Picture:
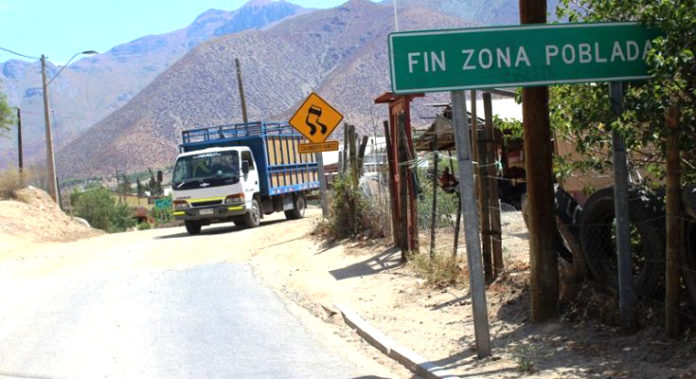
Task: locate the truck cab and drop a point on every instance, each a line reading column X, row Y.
column 215, row 185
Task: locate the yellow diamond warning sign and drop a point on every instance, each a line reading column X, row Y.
column 316, row 119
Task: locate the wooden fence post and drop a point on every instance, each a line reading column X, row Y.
column 433, row 213
column 496, row 236
column 673, row 220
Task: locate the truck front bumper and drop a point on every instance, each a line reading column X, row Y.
column 212, row 214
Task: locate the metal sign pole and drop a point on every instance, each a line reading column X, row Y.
column 322, row 185
column 462, row 141
column 623, row 222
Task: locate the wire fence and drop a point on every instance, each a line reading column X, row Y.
column 437, row 233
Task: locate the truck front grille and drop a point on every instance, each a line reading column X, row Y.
column 206, row 203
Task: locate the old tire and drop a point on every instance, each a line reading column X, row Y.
column 597, row 237
column 193, row 227
column 299, row 205
column 253, row 217
column 567, row 212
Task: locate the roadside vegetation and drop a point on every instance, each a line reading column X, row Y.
column 101, row 210
column 351, row 214
column 11, row 180
column 7, row 117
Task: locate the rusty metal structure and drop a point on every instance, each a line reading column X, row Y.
column 398, row 133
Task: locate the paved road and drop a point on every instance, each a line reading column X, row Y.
column 114, row 318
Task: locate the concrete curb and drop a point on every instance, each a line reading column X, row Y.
column 414, row 362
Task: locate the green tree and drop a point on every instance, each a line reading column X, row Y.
column 99, row 208
column 7, row 118
column 155, row 184
column 581, row 112
column 123, row 188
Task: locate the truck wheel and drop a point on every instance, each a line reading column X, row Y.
column 299, row 205
column 193, row 227
column 598, row 240
column 253, row 217
column 689, row 259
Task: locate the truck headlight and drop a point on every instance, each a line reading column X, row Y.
column 181, row 204
column 235, row 199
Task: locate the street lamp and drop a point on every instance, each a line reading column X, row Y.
column 50, row 158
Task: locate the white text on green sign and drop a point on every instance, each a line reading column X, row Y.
column 444, row 60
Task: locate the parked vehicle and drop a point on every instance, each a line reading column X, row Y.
column 239, row 173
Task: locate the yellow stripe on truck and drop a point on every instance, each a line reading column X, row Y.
column 235, row 208
column 206, row 199
column 178, row 213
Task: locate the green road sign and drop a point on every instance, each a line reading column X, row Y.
column 518, row 56
column 163, row 203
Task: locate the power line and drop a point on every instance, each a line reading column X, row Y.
column 16, row 53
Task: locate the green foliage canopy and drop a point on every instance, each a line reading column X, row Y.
column 582, row 112
column 6, row 116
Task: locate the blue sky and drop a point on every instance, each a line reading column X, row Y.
column 60, row 28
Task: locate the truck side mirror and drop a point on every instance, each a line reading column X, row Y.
column 245, row 167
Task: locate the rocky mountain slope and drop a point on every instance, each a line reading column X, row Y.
column 91, row 88
column 339, row 52
column 488, row 12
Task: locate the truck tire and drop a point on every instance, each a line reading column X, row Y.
column 598, row 241
column 253, row 217
column 689, row 259
column 193, row 227
column 299, row 205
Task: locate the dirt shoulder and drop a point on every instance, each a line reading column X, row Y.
column 35, row 217
column 437, row 322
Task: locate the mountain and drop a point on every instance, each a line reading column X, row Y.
column 341, row 53
column 91, row 88
column 488, row 12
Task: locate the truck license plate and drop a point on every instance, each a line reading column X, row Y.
column 205, row 212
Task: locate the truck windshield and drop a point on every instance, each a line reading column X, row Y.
column 222, row 164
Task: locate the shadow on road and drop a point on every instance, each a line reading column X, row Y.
column 387, row 259
column 223, row 228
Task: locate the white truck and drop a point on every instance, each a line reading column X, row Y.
column 240, row 172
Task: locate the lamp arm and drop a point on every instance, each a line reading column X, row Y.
column 62, row 68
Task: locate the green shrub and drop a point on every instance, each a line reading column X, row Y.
column 144, row 226
column 351, row 214
column 99, row 208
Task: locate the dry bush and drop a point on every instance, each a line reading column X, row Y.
column 10, row 181
column 440, row 271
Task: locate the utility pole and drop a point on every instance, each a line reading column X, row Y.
column 19, row 145
column 50, row 158
column 538, row 163
column 241, row 90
